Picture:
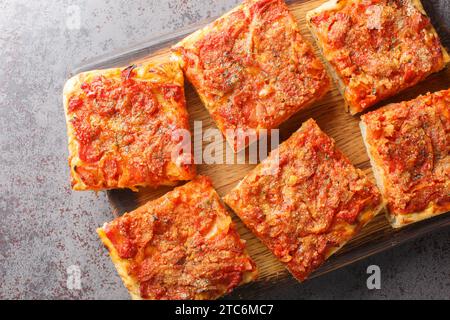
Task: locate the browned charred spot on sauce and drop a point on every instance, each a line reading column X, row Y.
column 128, row 70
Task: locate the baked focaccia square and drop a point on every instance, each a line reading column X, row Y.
column 409, row 147
column 252, row 69
column 180, row 246
column 305, row 201
column 376, row 48
column 122, row 126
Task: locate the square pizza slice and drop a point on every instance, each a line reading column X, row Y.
column 252, row 68
column 124, row 126
column 183, row 245
column 306, row 200
column 409, row 147
column 376, row 48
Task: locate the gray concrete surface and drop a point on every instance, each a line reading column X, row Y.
column 45, row 228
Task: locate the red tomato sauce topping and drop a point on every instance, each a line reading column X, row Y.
column 123, row 132
column 182, row 245
column 310, row 202
column 411, row 141
column 254, row 69
column 378, row 47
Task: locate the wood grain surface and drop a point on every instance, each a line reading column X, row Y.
column 331, row 117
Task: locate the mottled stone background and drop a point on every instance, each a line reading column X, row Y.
column 45, row 228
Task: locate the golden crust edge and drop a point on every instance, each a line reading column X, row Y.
column 190, row 40
column 249, row 276
column 326, row 6
column 366, row 215
column 121, row 265
column 70, row 87
column 397, row 221
column 73, row 84
column 419, row 6
column 338, row 4
column 377, row 170
column 329, row 5
column 400, row 221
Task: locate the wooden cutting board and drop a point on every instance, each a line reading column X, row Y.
column 331, row 117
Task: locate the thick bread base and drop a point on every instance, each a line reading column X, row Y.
column 396, row 220
column 365, row 218
column 333, row 4
column 121, row 266
column 399, row 221
column 377, row 170
column 133, row 286
column 419, row 6
column 336, row 5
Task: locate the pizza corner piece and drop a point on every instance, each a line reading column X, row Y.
column 375, row 49
column 183, row 245
column 123, row 125
column 252, row 68
column 306, row 200
column 408, row 144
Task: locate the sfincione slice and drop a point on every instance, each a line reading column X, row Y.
column 409, row 147
column 181, row 246
column 306, row 200
column 122, row 125
column 376, row 48
column 252, row 68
